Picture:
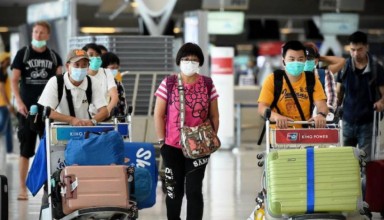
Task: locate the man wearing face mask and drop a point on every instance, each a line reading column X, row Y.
column 76, row 82
column 286, row 110
column 32, row 67
column 334, row 65
column 105, row 78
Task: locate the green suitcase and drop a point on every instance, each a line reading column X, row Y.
column 313, row 180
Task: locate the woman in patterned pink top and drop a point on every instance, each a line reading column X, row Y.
column 200, row 104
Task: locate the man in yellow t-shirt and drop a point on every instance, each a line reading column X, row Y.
column 293, row 58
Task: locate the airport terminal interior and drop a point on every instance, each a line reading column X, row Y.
column 241, row 41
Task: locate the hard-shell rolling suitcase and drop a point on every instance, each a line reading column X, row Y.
column 313, row 180
column 374, row 189
column 374, row 193
column 95, row 186
column 3, row 198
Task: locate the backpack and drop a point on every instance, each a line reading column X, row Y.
column 120, row 110
column 321, row 73
column 172, row 80
column 57, row 201
column 28, row 52
column 278, row 82
column 372, row 83
column 60, row 89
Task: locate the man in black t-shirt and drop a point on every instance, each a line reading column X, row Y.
column 31, row 69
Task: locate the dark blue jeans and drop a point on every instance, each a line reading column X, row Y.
column 358, row 135
column 6, row 127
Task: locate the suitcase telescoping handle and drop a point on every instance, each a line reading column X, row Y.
column 376, row 133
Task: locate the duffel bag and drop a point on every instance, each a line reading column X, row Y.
column 95, row 148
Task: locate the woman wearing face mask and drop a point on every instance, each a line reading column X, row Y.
column 200, row 103
column 105, row 78
column 286, row 110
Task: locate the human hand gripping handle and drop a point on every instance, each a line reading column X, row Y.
column 319, row 119
column 379, row 105
column 281, row 121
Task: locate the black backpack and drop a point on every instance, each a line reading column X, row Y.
column 278, row 83
column 28, row 52
column 60, row 89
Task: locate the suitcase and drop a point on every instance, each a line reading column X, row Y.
column 95, row 186
column 313, row 180
column 374, row 189
column 3, row 198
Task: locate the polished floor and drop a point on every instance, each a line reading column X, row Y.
column 232, row 181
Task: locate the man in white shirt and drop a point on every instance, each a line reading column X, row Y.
column 76, row 82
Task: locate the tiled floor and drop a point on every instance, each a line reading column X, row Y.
column 230, row 187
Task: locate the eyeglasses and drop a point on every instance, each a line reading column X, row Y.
column 187, row 60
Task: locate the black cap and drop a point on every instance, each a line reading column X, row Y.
column 311, row 53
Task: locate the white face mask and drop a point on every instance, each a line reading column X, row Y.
column 189, row 68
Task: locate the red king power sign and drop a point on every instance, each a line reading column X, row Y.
column 307, row 136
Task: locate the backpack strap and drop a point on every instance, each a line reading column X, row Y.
column 26, row 54
column 209, row 84
column 60, row 87
column 53, row 57
column 278, row 82
column 170, row 82
column 70, row 102
column 310, row 80
column 88, row 91
column 321, row 73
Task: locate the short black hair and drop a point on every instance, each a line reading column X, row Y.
column 102, row 47
column 190, row 49
column 109, row 58
column 93, row 46
column 358, row 37
column 293, row 45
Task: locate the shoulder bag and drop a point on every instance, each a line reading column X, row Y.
column 198, row 141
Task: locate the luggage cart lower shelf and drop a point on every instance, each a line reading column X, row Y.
column 107, row 213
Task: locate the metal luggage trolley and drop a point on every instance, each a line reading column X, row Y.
column 298, row 138
column 57, row 135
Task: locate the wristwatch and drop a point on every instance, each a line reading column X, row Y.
column 322, row 114
column 94, row 122
column 161, row 142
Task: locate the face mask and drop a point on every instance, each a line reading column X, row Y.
column 95, row 63
column 113, row 72
column 78, row 74
column 38, row 44
column 189, row 68
column 309, row 65
column 294, row 68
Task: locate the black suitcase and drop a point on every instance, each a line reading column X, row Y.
column 3, row 198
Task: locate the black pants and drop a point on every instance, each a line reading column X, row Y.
column 182, row 172
column 27, row 136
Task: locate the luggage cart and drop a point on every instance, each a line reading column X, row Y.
column 57, row 135
column 300, row 138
